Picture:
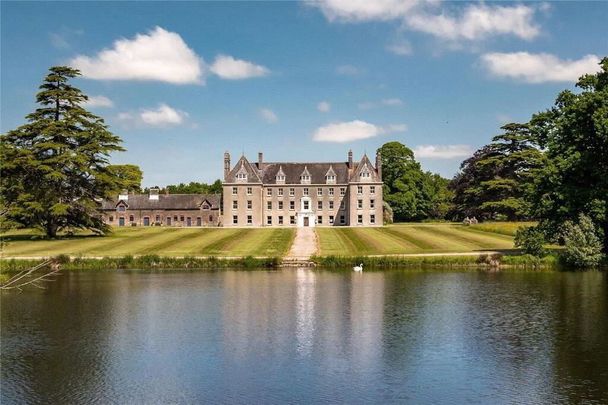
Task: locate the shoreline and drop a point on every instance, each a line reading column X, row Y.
column 490, row 261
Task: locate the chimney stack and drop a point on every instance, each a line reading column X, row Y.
column 260, row 160
column 123, row 195
column 379, row 164
column 350, row 159
column 153, row 195
column 226, row 165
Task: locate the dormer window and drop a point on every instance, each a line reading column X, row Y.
column 241, row 176
column 305, row 176
column 330, row 176
column 280, row 177
column 365, row 174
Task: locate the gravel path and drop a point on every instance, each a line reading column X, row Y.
column 304, row 244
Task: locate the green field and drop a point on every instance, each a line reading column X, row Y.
column 154, row 240
column 414, row 238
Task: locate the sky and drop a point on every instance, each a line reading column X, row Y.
column 183, row 82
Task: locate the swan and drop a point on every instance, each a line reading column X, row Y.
column 358, row 268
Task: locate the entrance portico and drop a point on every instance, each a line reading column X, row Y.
column 306, row 216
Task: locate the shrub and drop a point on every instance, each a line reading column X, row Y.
column 530, row 240
column 583, row 245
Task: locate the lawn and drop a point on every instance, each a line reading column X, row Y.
column 414, row 238
column 155, row 240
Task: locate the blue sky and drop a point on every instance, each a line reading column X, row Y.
column 182, row 82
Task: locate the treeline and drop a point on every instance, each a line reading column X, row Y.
column 552, row 169
column 191, row 188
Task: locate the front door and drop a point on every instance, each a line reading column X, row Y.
column 306, row 221
column 146, row 221
column 121, row 221
column 188, row 221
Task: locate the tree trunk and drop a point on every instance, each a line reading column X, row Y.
column 51, row 229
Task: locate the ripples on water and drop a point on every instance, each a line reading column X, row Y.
column 308, row 336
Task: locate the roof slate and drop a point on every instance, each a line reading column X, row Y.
column 165, row 201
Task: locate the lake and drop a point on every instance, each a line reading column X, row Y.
column 307, row 336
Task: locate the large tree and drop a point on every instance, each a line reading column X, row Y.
column 55, row 168
column 575, row 135
column 411, row 193
column 498, row 179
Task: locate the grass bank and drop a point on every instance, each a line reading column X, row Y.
column 143, row 262
column 483, row 261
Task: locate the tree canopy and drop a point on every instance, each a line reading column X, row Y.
column 56, row 167
column 574, row 133
column 412, row 194
column 498, row 179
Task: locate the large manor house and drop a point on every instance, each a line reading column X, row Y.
column 265, row 194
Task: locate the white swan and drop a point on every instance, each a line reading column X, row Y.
column 358, row 268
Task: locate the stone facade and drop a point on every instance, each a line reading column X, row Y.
column 302, row 194
column 154, row 209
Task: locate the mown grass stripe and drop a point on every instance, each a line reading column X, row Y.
column 224, row 244
column 408, row 237
column 170, row 239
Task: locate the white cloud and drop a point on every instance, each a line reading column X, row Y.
column 538, row 68
column 442, row 151
column 401, row 48
column 159, row 55
column 229, row 68
column 392, row 101
column 162, row 116
column 389, row 102
column 99, row 101
column 348, row 70
column 342, row 132
column 268, row 115
column 472, row 22
column 324, row 106
column 364, row 10
column 478, row 22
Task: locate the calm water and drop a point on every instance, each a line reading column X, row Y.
column 308, row 336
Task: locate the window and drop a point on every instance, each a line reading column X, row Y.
column 330, row 178
column 372, row 219
column 292, row 220
column 241, row 176
column 168, row 221
column 305, row 205
column 305, row 191
column 292, row 205
column 331, row 219
column 280, row 192
column 359, row 219
column 280, row 205
column 320, row 219
column 372, row 189
column 121, row 208
column 235, row 191
column 249, row 204
column 131, row 218
column 205, row 206
column 280, row 178
column 268, row 220
column 331, row 204
column 319, row 191
column 359, row 189
column 249, row 220
column 342, row 219
column 181, row 218
column 235, row 205
column 280, row 219
column 342, row 204
column 292, row 192
column 235, row 219
column 249, row 190
column 157, row 219
column 359, row 204
column 319, row 205
column 210, row 218
column 305, row 178
column 111, row 219
column 331, row 191
column 269, row 205
column 342, row 191
column 269, row 192
column 372, row 203
column 175, row 218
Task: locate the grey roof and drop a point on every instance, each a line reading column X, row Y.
column 294, row 170
column 165, row 202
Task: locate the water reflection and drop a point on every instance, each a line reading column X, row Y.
column 308, row 336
